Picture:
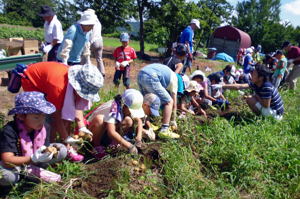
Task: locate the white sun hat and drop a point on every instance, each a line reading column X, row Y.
column 196, row 22
column 133, row 99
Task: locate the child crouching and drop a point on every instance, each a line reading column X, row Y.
column 23, row 141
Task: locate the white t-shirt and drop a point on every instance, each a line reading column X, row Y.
column 53, row 30
column 96, row 33
column 173, row 85
column 104, row 110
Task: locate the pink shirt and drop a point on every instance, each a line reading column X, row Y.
column 69, row 107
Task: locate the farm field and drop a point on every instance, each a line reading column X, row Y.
column 232, row 154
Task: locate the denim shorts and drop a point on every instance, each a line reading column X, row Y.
column 149, row 83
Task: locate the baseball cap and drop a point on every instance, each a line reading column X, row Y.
column 193, row 86
column 196, row 22
column 133, row 99
column 154, row 102
column 124, row 37
column 285, row 44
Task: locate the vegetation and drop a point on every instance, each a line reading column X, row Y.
column 8, row 32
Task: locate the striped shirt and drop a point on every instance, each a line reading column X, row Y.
column 268, row 91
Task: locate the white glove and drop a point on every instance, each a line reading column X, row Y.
column 291, row 61
column 38, row 156
column 118, row 65
column 267, row 111
column 64, row 61
column 124, row 63
column 173, row 123
column 85, row 130
column 71, row 140
column 42, row 46
column 47, row 48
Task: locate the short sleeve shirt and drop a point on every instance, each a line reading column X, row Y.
column 293, row 53
column 246, row 64
column 268, row 91
column 53, row 30
column 50, row 78
column 171, row 62
column 104, row 110
column 187, row 36
column 124, row 54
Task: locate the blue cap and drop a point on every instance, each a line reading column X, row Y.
column 124, row 37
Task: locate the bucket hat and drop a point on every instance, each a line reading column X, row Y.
column 87, row 18
column 32, row 103
column 86, row 80
column 154, row 102
column 133, row 99
column 193, row 86
column 46, row 11
column 196, row 73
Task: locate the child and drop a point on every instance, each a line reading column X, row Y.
column 187, row 100
column 117, row 116
column 215, row 89
column 23, row 140
column 280, row 68
column 124, row 55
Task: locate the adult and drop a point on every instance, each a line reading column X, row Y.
column 187, row 37
column 53, row 32
column 96, row 42
column 175, row 61
column 76, row 41
column 266, row 100
column 293, row 56
column 162, row 81
column 70, row 89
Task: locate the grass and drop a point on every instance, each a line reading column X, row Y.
column 242, row 157
column 115, row 42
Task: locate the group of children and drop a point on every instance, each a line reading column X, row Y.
column 56, row 95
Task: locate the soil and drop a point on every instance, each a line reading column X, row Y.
column 105, row 173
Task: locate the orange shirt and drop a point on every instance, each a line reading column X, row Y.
column 50, row 78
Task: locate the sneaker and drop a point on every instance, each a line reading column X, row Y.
column 150, row 134
column 154, row 127
column 167, row 133
column 100, row 152
column 74, row 156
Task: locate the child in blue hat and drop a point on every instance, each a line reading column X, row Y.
column 24, row 140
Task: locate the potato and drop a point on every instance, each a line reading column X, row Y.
column 76, row 136
column 134, row 162
column 51, row 149
column 143, row 167
column 81, row 134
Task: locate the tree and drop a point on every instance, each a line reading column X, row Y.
column 259, row 18
column 26, row 9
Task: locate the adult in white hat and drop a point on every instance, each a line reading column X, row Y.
column 76, row 41
column 186, row 38
column 96, row 42
column 248, row 64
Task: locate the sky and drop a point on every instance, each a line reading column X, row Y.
column 290, row 11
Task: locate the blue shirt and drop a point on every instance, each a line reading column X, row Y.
column 268, row 91
column 247, row 66
column 162, row 72
column 187, row 35
column 79, row 39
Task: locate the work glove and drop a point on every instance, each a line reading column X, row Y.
column 216, row 86
column 71, row 140
column 85, row 130
column 118, row 65
column 125, row 63
column 40, row 157
column 47, row 48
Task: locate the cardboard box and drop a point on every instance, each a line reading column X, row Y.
column 31, row 46
column 13, row 46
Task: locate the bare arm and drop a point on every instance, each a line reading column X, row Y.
column 111, row 129
column 79, row 119
column 236, row 86
column 139, row 128
column 10, row 160
column 178, row 67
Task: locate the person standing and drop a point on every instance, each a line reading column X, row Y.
column 293, row 55
column 187, row 37
column 96, row 42
column 53, row 32
column 76, row 41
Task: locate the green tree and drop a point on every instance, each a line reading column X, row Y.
column 260, row 19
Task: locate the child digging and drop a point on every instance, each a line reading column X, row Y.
column 124, row 56
column 23, row 141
